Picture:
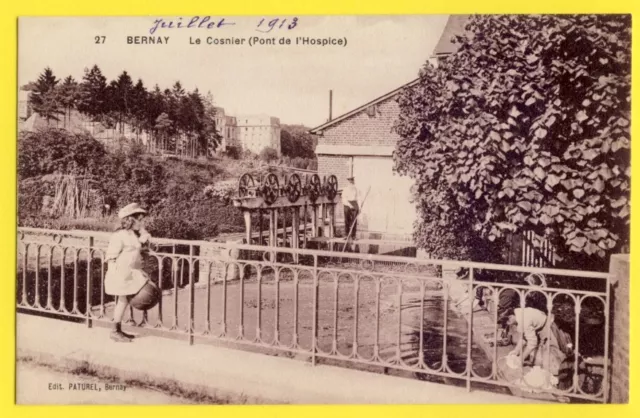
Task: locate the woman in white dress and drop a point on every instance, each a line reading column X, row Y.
column 124, row 273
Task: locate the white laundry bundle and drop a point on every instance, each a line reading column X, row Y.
column 537, row 379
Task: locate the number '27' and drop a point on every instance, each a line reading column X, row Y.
column 100, row 39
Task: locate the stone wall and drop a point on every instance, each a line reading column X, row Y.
column 619, row 325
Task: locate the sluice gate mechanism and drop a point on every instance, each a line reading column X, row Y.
column 297, row 208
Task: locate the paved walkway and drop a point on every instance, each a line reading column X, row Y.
column 220, row 370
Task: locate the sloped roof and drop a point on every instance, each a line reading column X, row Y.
column 455, row 26
column 342, row 117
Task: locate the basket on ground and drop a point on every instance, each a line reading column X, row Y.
column 147, row 297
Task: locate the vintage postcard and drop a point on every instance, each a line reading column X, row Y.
column 407, row 209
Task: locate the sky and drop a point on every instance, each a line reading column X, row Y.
column 291, row 82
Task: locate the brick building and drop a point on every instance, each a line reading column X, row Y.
column 360, row 143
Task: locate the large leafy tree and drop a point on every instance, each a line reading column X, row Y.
column 296, row 141
column 524, row 128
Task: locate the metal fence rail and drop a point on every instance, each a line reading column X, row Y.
column 381, row 311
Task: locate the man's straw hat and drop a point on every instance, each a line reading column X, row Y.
column 130, row 209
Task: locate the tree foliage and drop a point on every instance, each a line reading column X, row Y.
column 268, row 154
column 92, row 98
column 45, row 97
column 525, row 127
column 69, row 92
column 175, row 119
column 173, row 191
column 57, row 151
column 296, row 141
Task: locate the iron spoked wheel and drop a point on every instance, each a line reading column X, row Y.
column 246, row 183
column 294, row 188
column 314, row 187
column 271, row 189
column 332, row 187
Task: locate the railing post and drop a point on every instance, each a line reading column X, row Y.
column 314, row 338
column 295, row 232
column 275, row 227
column 247, row 226
column 470, row 330
column 260, row 240
column 304, row 236
column 606, row 395
column 272, row 228
column 89, row 259
column 332, row 220
column 191, row 296
column 314, row 220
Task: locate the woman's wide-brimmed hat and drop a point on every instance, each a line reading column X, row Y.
column 130, row 209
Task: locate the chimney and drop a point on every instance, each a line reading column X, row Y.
column 330, row 105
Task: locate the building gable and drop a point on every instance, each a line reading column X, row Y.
column 371, row 126
column 454, row 27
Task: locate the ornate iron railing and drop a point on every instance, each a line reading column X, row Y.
column 412, row 315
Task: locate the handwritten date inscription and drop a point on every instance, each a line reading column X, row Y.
column 206, row 22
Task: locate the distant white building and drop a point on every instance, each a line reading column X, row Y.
column 257, row 132
column 227, row 127
column 24, row 109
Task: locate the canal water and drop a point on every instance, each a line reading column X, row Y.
column 351, row 320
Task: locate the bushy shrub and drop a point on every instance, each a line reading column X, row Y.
column 268, row 154
column 222, row 190
column 174, row 190
column 313, row 164
column 173, row 225
column 31, row 194
column 300, row 162
column 285, row 160
column 233, row 152
column 189, row 213
column 249, row 155
column 132, row 177
column 53, row 150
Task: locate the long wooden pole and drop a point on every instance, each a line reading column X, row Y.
column 353, row 224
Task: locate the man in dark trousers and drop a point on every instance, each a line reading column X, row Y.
column 351, row 208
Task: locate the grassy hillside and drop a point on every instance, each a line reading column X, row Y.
column 174, row 190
